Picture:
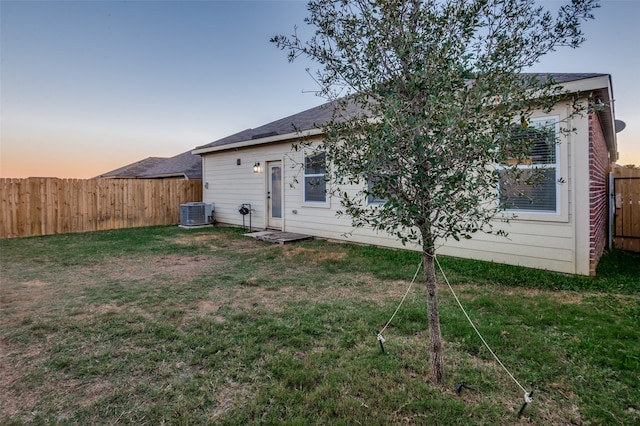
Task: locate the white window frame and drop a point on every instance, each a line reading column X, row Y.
column 305, row 154
column 559, row 214
column 370, row 200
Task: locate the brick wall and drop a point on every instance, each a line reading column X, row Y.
column 598, row 197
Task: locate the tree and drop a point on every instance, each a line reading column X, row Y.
column 426, row 94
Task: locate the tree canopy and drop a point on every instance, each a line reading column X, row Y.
column 427, row 95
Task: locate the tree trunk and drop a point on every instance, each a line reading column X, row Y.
column 436, row 363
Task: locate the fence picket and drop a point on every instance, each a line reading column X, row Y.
column 627, row 209
column 42, row 206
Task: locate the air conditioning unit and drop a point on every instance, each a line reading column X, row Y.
column 196, row 214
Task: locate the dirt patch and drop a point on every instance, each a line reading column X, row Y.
column 91, row 311
column 229, row 396
column 207, row 307
column 19, row 299
column 216, row 242
column 357, row 287
column 147, row 267
column 35, row 284
column 188, row 240
column 17, row 398
column 183, row 266
column 105, row 309
column 95, row 391
column 314, row 255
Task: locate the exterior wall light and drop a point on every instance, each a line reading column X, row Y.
column 256, row 167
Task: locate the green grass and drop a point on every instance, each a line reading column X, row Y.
column 165, row 325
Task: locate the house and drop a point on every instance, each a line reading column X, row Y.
column 567, row 234
column 183, row 166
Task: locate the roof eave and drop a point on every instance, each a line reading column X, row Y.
column 164, row 175
column 597, row 83
column 260, row 141
column 116, row 177
column 586, row 84
column 602, row 87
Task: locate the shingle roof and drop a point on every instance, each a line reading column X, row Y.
column 132, row 170
column 560, row 77
column 184, row 165
column 313, row 118
column 309, row 119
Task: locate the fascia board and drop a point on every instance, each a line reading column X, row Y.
column 261, row 141
column 586, row 84
column 163, row 175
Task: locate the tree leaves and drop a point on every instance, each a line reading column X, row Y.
column 425, row 95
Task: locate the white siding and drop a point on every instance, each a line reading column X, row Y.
column 231, row 185
column 537, row 241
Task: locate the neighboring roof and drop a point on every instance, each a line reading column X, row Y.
column 186, row 165
column 308, row 123
column 132, row 170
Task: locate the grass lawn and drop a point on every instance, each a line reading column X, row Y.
column 169, row 326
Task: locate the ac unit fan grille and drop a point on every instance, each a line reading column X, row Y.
column 193, row 214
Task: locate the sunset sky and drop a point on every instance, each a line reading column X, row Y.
column 90, row 86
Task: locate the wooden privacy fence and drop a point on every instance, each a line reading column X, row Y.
column 626, row 193
column 42, row 206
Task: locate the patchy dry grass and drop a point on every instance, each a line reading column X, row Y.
column 162, row 325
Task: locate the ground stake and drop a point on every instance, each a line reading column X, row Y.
column 527, row 399
column 381, row 341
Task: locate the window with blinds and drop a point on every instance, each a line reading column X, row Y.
column 531, row 184
column 315, row 185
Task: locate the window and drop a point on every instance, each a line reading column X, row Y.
column 532, row 185
column 372, row 197
column 315, row 185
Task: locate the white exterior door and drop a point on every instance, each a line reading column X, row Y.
column 274, row 195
